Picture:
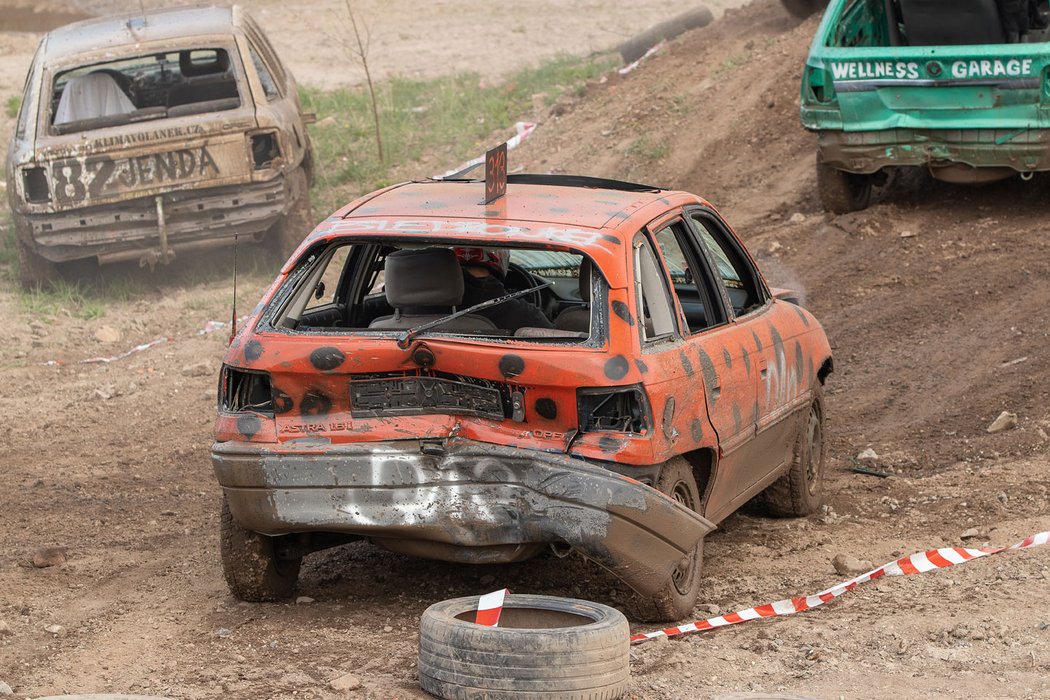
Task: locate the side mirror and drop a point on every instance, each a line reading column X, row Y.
column 319, row 290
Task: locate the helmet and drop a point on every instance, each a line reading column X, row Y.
column 495, row 259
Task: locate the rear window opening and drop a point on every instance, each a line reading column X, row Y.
column 444, row 288
column 155, row 86
column 940, row 23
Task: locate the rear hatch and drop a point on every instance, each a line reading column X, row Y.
column 868, row 87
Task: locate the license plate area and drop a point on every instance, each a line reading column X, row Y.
column 420, row 395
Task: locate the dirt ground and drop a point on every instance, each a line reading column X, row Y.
column 936, row 303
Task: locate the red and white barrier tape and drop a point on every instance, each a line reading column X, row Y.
column 208, row 328
column 490, row 606
column 634, row 64
column 523, row 131
column 914, row 564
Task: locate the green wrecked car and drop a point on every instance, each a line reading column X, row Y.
column 961, row 87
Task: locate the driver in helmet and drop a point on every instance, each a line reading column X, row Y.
column 484, row 270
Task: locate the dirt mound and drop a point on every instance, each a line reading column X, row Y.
column 37, row 17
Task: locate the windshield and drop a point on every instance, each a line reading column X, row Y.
column 140, row 88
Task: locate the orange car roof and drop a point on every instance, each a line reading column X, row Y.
column 585, row 207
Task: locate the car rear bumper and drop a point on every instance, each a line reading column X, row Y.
column 462, row 494
column 131, row 229
column 1023, row 150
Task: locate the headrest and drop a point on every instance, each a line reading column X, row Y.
column 427, row 277
column 585, row 280
column 191, row 68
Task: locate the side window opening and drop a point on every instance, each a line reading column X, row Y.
column 690, row 283
column 651, row 292
column 385, row 287
column 142, row 88
column 268, row 84
column 739, row 279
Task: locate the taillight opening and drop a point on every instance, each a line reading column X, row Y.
column 243, row 390
column 265, row 149
column 616, row 409
column 34, row 181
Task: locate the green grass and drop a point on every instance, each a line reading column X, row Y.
column 645, row 149
column 445, row 120
column 454, row 117
column 11, row 106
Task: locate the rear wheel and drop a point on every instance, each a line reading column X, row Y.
column 841, row 192
column 250, row 564
column 677, row 598
column 289, row 232
column 34, row 271
column 800, row 491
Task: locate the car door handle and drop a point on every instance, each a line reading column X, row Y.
column 763, row 369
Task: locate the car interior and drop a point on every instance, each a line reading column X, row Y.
column 943, row 22
column 383, row 287
column 171, row 84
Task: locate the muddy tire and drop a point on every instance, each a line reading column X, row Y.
column 250, row 564
column 289, row 232
column 803, row 8
column 544, row 647
column 800, row 491
column 841, row 192
column 34, row 271
column 678, row 597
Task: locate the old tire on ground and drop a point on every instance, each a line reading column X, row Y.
column 293, row 227
column 544, row 647
column 678, row 597
column 250, row 563
column 841, row 192
column 34, row 271
column 803, row 8
column 800, row 491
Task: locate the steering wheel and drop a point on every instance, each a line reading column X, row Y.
column 518, row 278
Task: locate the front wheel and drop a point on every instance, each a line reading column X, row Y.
column 800, row 491
column 676, row 600
column 842, row 192
column 250, row 563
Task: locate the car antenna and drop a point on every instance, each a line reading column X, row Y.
column 233, row 311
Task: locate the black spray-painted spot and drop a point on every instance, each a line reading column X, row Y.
column 282, row 402
column 511, row 366
column 315, row 403
column 738, row 419
column 664, row 200
column 253, row 351
column 747, row 358
column 727, row 358
column 686, row 364
column 755, row 410
column 642, row 367
column 607, row 202
column 327, row 359
column 608, row 443
column 620, row 309
column 433, row 205
column 559, row 210
column 547, row 408
column 617, row 367
column 799, row 360
column 249, row 425
column 667, row 424
column 494, row 213
column 812, row 376
column 696, row 429
column 609, row 238
column 710, row 375
column 758, row 341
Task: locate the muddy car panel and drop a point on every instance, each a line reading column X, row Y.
column 729, row 398
column 186, row 179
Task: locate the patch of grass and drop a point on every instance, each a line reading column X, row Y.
column 732, row 62
column 63, row 297
column 452, row 116
column 11, row 106
column 644, row 148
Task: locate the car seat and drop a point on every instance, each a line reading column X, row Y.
column 952, row 22
column 423, row 286
column 204, row 83
column 578, row 318
column 91, row 96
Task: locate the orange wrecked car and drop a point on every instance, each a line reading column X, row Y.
column 583, row 365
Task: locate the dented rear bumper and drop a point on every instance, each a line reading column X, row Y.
column 463, row 494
